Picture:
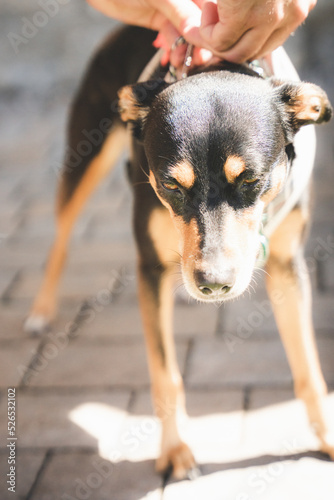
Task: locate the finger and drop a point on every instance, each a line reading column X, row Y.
column 246, row 47
column 161, row 43
column 221, row 29
column 165, row 40
column 203, row 56
column 180, row 14
column 277, row 38
column 261, row 40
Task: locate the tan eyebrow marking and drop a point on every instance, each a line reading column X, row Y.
column 233, row 167
column 184, row 174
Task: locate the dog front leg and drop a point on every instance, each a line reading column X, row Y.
column 156, row 301
column 289, row 289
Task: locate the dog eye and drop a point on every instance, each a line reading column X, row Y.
column 250, row 182
column 170, row 186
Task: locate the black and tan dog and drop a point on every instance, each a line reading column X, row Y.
column 209, row 154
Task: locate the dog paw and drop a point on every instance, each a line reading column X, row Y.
column 180, row 459
column 41, row 315
column 36, row 324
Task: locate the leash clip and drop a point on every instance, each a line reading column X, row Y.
column 173, row 73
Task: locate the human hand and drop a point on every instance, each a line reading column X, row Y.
column 167, row 16
column 241, row 30
column 171, row 18
column 235, row 30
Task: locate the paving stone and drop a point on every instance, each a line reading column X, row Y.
column 80, row 253
column 258, row 398
column 323, row 313
column 227, row 360
column 79, row 281
column 67, row 420
column 235, row 360
column 119, row 319
column 272, row 457
column 55, row 44
column 7, row 278
column 113, row 321
column 254, row 317
column 11, row 324
column 88, row 253
column 326, row 353
column 28, row 463
column 214, row 429
column 13, row 316
column 195, row 319
column 14, row 313
column 326, row 275
column 40, row 226
column 24, row 255
column 14, row 358
column 198, row 402
column 89, row 364
column 279, row 425
column 106, row 229
column 251, row 315
column 71, row 475
column 139, row 439
column 10, row 222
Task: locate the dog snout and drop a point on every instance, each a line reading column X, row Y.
column 215, row 285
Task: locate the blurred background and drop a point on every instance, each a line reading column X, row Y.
column 83, row 388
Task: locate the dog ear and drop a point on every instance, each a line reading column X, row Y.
column 304, row 103
column 134, row 102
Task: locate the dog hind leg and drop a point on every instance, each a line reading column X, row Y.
column 69, row 208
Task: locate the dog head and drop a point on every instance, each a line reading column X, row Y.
column 218, row 146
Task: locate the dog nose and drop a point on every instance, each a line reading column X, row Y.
column 215, row 286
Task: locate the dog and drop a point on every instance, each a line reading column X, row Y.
column 210, row 154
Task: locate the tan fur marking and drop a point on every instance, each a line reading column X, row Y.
column 152, row 180
column 309, row 103
column 130, row 108
column 233, row 167
column 285, row 241
column 154, row 186
column 184, row 174
column 191, row 248
column 189, row 237
column 190, row 242
column 164, row 235
column 277, row 179
column 251, row 217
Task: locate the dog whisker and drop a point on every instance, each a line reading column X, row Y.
column 139, row 183
column 144, row 172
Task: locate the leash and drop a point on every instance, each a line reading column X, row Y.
column 298, row 177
